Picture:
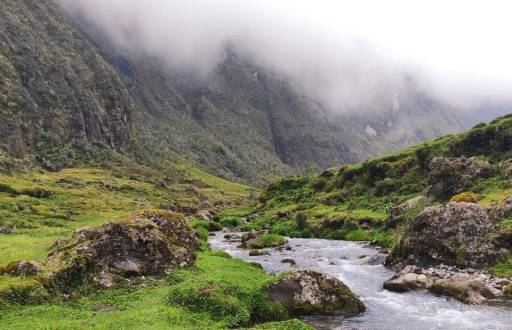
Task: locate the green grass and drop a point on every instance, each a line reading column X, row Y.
column 178, row 302
column 88, row 197
column 503, row 269
column 268, row 241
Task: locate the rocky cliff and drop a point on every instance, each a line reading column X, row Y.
column 65, row 84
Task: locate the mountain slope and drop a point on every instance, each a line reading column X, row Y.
column 68, row 90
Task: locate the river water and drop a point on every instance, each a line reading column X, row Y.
column 349, row 261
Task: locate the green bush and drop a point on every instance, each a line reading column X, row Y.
column 301, row 221
column 269, row 240
column 230, row 222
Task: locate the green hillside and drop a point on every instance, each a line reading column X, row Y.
column 365, row 201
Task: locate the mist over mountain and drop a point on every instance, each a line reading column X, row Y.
column 238, row 100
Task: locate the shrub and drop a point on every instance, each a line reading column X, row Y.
column 269, row 240
column 301, row 220
column 230, row 221
column 320, row 184
column 422, row 158
column 508, row 290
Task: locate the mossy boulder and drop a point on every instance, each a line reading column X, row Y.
column 459, row 234
column 450, row 176
column 309, row 292
column 149, row 242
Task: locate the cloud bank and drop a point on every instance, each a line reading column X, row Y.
column 344, row 52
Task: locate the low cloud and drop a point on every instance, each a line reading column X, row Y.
column 344, row 53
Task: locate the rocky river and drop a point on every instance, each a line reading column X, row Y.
column 361, row 268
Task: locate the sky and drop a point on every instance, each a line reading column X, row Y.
column 339, row 50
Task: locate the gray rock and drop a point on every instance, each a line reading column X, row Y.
column 309, row 292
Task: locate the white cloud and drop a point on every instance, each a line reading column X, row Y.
column 338, row 48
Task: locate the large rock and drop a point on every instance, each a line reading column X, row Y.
column 310, row 292
column 464, row 289
column 459, row 234
column 147, row 243
column 408, row 282
column 449, row 176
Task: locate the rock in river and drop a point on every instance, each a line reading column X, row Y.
column 309, row 292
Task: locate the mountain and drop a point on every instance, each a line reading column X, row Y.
column 67, row 89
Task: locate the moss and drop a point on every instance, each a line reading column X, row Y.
column 468, row 197
column 508, row 290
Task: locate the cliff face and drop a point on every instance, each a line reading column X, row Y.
column 64, row 83
column 54, row 86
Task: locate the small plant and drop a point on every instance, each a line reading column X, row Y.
column 301, row 220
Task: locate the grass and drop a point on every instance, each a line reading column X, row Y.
column 43, row 207
column 503, row 269
column 88, row 197
column 179, row 302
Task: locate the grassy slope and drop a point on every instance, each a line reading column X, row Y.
column 354, row 201
column 44, row 206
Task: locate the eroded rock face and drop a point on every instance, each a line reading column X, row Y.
column 456, row 233
column 309, row 292
column 449, row 176
column 148, row 242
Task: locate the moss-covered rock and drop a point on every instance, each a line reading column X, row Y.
column 148, row 242
column 459, row 234
column 310, row 292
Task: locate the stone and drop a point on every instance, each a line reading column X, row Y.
column 310, row 292
column 461, row 234
column 255, row 253
column 450, row 176
column 289, row 261
column 407, row 282
column 6, row 230
column 149, row 242
column 464, row 289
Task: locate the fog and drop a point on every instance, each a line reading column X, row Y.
column 342, row 52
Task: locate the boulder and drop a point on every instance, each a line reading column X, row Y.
column 289, row 261
column 450, row 176
column 464, row 289
column 149, row 242
column 6, row 230
column 255, row 253
column 459, row 234
column 309, row 292
column 21, row 268
column 408, row 282
column 248, row 239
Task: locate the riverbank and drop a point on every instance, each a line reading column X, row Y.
column 352, row 263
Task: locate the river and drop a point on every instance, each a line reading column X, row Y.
column 349, row 261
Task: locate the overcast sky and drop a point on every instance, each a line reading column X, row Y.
column 461, row 49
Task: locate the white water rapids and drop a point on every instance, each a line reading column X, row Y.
column 385, row 310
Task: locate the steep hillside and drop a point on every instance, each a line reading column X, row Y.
column 380, row 199
column 67, row 91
